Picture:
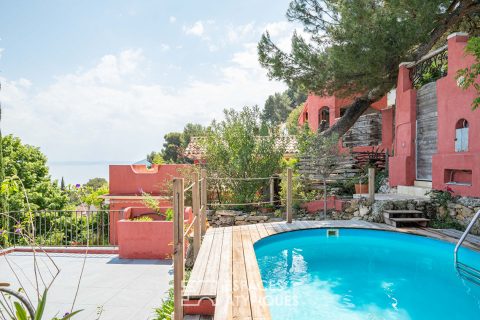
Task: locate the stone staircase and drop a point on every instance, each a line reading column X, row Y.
column 405, row 218
column 419, row 189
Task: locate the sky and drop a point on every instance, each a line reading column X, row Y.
column 96, row 82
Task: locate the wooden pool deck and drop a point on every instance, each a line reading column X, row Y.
column 225, row 282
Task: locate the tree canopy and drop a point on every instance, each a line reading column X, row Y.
column 355, row 47
column 468, row 77
column 242, row 146
column 26, row 167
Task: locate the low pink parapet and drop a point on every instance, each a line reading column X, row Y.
column 147, row 239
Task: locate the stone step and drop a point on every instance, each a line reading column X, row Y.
column 423, row 184
column 413, row 191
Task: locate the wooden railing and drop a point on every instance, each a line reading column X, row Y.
column 199, row 226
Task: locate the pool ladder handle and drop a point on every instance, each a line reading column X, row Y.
column 464, row 235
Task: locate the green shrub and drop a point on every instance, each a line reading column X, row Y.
column 169, row 214
column 446, row 223
column 142, row 219
column 440, row 197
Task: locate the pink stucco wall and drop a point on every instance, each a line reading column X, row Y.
column 130, row 181
column 317, row 205
column 135, row 179
column 453, row 104
column 315, row 103
column 147, row 239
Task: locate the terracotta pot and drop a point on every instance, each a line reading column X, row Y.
column 266, row 209
column 361, row 188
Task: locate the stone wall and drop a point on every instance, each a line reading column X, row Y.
column 460, row 211
column 227, row 218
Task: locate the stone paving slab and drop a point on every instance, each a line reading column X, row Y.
column 115, row 288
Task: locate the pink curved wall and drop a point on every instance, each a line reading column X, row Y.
column 133, row 179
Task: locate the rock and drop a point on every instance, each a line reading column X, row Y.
column 257, row 218
column 469, row 201
column 363, row 211
column 467, row 212
column 226, row 213
column 442, row 212
column 241, row 223
column 240, row 218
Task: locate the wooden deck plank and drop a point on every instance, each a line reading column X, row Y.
column 210, row 279
column 196, row 277
column 277, row 227
column 240, row 294
column 254, row 234
column 269, row 228
column 258, row 304
column 262, row 230
column 223, row 303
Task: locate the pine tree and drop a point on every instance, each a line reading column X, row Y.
column 356, row 46
column 62, row 185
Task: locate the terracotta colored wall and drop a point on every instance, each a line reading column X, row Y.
column 317, row 205
column 147, row 239
column 453, row 104
column 402, row 165
column 133, row 179
column 315, row 103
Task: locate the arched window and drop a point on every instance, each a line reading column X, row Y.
column 461, row 136
column 323, row 118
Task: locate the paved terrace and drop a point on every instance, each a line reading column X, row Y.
column 116, row 288
column 226, row 270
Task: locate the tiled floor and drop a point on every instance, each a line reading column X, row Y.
column 115, row 288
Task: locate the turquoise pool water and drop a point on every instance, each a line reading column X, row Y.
column 365, row 274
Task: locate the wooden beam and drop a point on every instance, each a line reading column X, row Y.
column 203, row 201
column 289, row 195
column 371, row 184
column 272, row 191
column 178, row 258
column 197, row 229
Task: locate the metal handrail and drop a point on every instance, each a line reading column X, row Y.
column 465, row 234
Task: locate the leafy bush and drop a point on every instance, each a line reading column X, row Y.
column 446, row 222
column 169, row 214
column 142, row 219
column 242, row 146
column 441, row 197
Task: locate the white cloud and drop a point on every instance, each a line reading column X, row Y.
column 196, row 29
column 238, row 33
column 1, row 51
column 172, row 19
column 109, row 112
column 164, row 47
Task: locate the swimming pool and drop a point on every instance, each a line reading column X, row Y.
column 365, row 274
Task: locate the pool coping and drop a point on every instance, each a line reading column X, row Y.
column 226, row 282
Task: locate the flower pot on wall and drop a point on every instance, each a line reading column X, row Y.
column 361, row 188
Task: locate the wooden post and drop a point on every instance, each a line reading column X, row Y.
column 178, row 258
column 371, row 184
column 289, row 195
column 203, row 201
column 197, row 229
column 272, row 191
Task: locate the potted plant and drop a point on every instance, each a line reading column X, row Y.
column 360, row 186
